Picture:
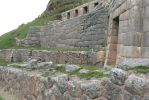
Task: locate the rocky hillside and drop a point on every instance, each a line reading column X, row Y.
column 54, row 8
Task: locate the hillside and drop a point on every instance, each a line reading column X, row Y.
column 54, row 8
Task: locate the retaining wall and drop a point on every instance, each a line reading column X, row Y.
column 83, row 31
column 35, row 87
column 58, row 57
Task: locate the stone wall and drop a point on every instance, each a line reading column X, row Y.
column 128, row 31
column 58, row 57
column 81, row 10
column 28, row 86
column 84, row 31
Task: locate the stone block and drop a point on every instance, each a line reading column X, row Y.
column 120, row 50
column 135, row 19
column 146, row 39
column 122, row 38
column 131, row 51
column 146, row 12
column 124, row 16
column 145, row 52
column 133, row 39
column 145, row 2
column 146, row 25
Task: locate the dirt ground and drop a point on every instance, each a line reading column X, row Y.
column 7, row 96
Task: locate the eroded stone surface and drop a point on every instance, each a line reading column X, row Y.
column 118, row 76
column 61, row 87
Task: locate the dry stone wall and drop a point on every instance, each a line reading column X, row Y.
column 58, row 57
column 28, row 86
column 84, row 31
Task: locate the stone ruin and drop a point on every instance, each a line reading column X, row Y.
column 81, row 10
column 33, row 86
column 122, row 28
column 84, row 30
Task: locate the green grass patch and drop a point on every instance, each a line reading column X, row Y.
column 3, row 62
column 1, row 98
column 90, row 67
column 139, row 69
column 60, row 69
column 93, row 74
column 8, row 40
column 46, row 74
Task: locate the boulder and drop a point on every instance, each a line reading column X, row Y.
column 74, row 89
column 53, row 94
column 33, row 63
column 113, row 91
column 136, row 85
column 92, row 89
column 61, row 82
column 71, row 68
column 118, row 76
column 44, row 65
column 84, row 71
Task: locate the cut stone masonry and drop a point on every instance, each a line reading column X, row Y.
column 125, row 36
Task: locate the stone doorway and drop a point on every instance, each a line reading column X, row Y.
column 85, row 10
column 68, row 15
column 113, row 42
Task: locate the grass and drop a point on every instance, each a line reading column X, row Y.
column 1, row 98
column 8, row 40
column 46, row 74
column 88, row 75
column 90, row 67
column 93, row 74
column 3, row 62
column 139, row 69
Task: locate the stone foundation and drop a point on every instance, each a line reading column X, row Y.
column 29, row 86
column 133, row 62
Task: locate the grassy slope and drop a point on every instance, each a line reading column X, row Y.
column 54, row 8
